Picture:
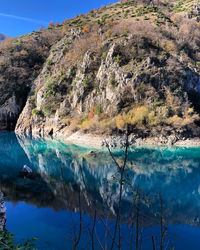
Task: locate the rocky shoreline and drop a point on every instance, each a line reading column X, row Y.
column 119, row 141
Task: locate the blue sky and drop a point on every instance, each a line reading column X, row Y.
column 18, row 17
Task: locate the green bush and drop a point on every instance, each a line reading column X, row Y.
column 145, row 9
column 49, row 62
column 7, row 242
column 179, row 6
column 117, row 59
column 103, row 56
column 86, row 83
column 98, row 110
column 36, row 112
column 49, row 108
column 50, row 89
column 146, row 18
column 113, row 82
column 63, row 77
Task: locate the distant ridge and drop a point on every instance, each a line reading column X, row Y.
column 2, row 37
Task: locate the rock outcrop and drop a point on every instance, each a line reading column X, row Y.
column 9, row 112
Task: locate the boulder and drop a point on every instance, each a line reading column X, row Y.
column 26, row 171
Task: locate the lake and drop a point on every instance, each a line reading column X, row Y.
column 70, row 183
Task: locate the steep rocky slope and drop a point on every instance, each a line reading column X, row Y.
column 133, row 63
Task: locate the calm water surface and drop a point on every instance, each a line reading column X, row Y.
column 65, row 176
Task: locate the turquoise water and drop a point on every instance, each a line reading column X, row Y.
column 48, row 205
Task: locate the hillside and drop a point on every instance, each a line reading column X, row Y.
column 133, row 63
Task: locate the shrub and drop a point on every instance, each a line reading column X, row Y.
column 109, row 33
column 175, row 120
column 187, row 118
column 49, row 62
column 113, row 82
column 7, row 241
column 98, row 110
column 92, row 112
column 108, row 124
column 117, row 59
column 139, row 115
column 120, row 122
column 104, row 55
column 85, row 29
column 36, row 112
column 23, row 52
column 48, row 108
column 169, row 46
column 63, row 77
column 111, row 23
column 145, row 9
column 86, row 82
column 91, row 126
column 158, row 115
column 50, row 89
column 88, row 41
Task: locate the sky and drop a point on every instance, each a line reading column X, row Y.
column 18, row 17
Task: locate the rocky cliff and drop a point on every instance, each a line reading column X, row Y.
column 133, row 63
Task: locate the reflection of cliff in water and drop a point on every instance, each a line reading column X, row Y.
column 173, row 172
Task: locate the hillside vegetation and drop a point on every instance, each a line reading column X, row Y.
column 133, row 63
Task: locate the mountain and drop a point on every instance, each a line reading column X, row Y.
column 2, row 37
column 134, row 63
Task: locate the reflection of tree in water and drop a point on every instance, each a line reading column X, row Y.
column 136, row 220
column 104, row 199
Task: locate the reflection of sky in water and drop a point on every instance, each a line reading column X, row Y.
column 36, row 208
column 52, row 229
